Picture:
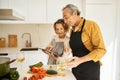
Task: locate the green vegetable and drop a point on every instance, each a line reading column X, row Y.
column 14, row 75
column 4, row 79
column 39, row 64
column 71, row 60
column 51, row 71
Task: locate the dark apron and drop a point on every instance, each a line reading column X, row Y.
column 58, row 51
column 88, row 70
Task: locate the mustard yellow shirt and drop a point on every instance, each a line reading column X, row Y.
column 92, row 39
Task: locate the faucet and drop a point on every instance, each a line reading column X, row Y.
column 29, row 44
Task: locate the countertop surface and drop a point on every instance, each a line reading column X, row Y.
column 68, row 74
column 12, row 50
column 32, row 57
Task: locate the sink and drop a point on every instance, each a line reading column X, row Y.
column 3, row 54
column 29, row 49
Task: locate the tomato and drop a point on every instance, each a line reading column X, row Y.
column 35, row 69
column 40, row 73
column 25, row 78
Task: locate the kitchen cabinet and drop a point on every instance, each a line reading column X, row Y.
column 33, row 11
column 20, row 6
column 37, row 11
column 3, row 3
column 15, row 5
column 41, row 11
column 54, row 8
column 99, row 1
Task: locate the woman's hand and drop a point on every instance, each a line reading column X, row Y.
column 49, row 51
column 67, row 49
column 49, row 48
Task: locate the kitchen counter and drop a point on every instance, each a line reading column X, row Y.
column 32, row 57
column 13, row 50
column 67, row 72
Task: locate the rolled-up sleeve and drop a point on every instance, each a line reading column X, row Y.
column 98, row 47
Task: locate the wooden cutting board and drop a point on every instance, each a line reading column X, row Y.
column 12, row 40
column 2, row 42
column 49, row 75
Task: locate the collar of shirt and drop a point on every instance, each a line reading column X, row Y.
column 57, row 39
column 78, row 28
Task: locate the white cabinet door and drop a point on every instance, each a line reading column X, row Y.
column 41, row 11
column 20, row 6
column 36, row 11
column 4, row 4
column 54, row 8
column 99, row 1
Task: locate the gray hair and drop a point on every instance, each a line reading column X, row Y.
column 72, row 8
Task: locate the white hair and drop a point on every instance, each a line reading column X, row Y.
column 72, row 8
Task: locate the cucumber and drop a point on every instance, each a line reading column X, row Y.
column 51, row 72
column 39, row 64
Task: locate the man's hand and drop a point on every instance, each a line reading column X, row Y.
column 74, row 63
column 78, row 60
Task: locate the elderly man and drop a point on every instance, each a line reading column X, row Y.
column 86, row 43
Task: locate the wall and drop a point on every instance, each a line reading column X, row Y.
column 104, row 13
column 117, row 48
column 40, row 34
